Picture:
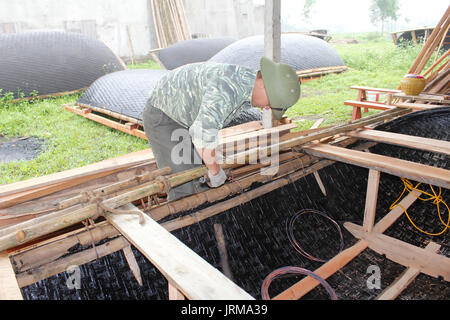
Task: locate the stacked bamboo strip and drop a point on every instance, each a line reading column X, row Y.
column 170, row 23
column 438, row 74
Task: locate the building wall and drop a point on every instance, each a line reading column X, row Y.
column 105, row 19
column 229, row 18
column 108, row 20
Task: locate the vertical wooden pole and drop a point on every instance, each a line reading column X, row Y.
column 272, row 30
column 371, row 200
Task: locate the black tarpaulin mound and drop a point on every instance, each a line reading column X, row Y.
column 49, row 62
column 300, row 51
column 257, row 242
column 190, row 51
column 126, row 92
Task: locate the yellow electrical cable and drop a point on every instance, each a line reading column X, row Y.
column 437, row 199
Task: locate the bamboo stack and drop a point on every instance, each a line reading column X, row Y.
column 169, row 20
column 438, row 74
column 69, row 211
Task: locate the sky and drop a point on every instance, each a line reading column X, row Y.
column 353, row 15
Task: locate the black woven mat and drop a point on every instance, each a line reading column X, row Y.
column 257, row 241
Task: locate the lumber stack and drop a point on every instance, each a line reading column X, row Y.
column 169, row 19
column 438, row 74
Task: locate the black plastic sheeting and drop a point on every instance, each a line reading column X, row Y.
column 301, row 52
column 190, row 51
column 257, row 242
column 52, row 62
column 126, row 92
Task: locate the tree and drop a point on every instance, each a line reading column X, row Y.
column 382, row 11
column 307, row 8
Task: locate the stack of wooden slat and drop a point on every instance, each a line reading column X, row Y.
column 438, row 74
column 169, row 20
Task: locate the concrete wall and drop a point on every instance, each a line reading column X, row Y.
column 105, row 19
column 225, row 18
column 108, row 19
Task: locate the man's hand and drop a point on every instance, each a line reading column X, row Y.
column 216, row 180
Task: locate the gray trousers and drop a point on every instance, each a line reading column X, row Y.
column 172, row 147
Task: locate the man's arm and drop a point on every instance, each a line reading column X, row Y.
column 209, row 158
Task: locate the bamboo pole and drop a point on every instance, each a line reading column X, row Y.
column 428, row 43
column 155, row 24
column 243, row 198
column 32, row 229
column 115, row 187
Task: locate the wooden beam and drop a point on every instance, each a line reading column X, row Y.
column 402, row 168
column 305, row 285
column 9, row 288
column 427, row 262
column 408, row 276
column 404, row 140
column 55, row 267
column 105, row 166
column 107, row 122
column 371, row 200
column 132, row 263
column 272, row 30
column 181, row 266
column 174, row 293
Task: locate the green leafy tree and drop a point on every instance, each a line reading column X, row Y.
column 381, row 11
column 307, row 8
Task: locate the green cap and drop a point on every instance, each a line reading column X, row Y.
column 281, row 84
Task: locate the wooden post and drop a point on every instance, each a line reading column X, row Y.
column 272, row 30
column 371, row 200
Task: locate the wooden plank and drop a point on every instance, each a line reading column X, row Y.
column 181, row 266
column 174, row 293
column 384, row 90
column 404, row 140
column 371, row 105
column 305, row 285
column 402, row 168
column 417, row 106
column 132, row 263
column 259, row 133
column 427, row 262
column 9, row 288
column 240, row 129
column 107, row 122
column 105, row 166
column 408, row 276
column 371, row 200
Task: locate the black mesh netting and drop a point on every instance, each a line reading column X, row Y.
column 299, row 51
column 126, row 92
column 257, row 242
column 190, row 51
column 51, row 62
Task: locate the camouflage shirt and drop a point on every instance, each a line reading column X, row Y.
column 204, row 97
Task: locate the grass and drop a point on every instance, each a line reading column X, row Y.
column 72, row 141
column 376, row 63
